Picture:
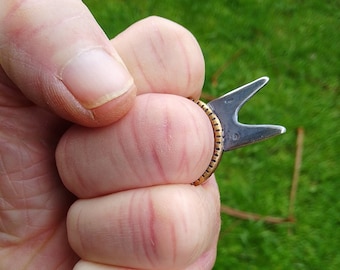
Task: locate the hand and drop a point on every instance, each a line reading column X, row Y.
column 132, row 205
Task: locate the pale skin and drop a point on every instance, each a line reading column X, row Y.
column 99, row 143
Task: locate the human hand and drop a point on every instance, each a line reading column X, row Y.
column 136, row 207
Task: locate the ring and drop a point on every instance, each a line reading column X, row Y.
column 218, row 143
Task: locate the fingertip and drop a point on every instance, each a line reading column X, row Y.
column 157, row 50
column 114, row 110
column 66, row 106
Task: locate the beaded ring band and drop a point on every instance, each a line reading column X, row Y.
column 218, row 143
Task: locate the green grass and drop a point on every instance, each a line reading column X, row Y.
column 296, row 44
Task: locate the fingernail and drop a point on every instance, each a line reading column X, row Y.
column 94, row 78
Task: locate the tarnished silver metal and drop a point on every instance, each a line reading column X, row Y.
column 234, row 134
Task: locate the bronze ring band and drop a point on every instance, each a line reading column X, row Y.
column 218, row 143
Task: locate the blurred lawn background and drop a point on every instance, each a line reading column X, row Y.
column 296, row 44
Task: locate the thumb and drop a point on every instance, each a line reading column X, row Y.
column 58, row 56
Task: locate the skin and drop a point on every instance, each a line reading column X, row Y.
column 99, row 144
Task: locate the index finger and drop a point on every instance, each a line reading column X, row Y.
column 163, row 57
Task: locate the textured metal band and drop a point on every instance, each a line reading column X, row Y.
column 218, row 143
